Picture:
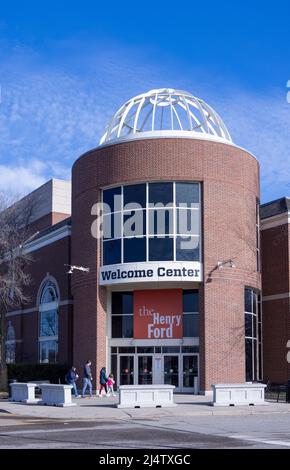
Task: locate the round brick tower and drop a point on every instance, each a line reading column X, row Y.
column 228, row 178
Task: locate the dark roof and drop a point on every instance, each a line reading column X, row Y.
column 54, row 227
column 275, row 207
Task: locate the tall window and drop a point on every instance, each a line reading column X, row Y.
column 48, row 324
column 122, row 315
column 190, row 313
column 151, row 222
column 10, row 344
column 122, row 319
column 253, row 335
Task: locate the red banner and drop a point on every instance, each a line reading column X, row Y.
column 158, row 314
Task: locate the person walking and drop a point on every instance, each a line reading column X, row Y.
column 87, row 381
column 71, row 378
column 103, row 381
column 110, row 384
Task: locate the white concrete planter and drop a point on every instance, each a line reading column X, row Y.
column 146, row 396
column 56, row 395
column 238, row 394
column 23, row 392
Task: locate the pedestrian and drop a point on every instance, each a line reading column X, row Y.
column 103, row 381
column 110, row 384
column 87, row 381
column 71, row 378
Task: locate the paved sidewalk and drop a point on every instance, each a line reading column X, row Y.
column 105, row 408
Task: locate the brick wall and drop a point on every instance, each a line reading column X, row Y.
column 275, row 260
column 230, row 178
column 47, row 260
column 47, row 221
column 276, row 333
column 276, row 312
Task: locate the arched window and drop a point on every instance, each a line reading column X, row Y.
column 10, row 344
column 48, row 323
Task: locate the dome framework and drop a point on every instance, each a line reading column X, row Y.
column 165, row 110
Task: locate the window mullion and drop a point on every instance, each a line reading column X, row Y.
column 174, row 221
column 147, row 221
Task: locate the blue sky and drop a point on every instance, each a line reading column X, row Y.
column 66, row 66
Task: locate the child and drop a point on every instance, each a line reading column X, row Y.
column 103, row 382
column 110, row 384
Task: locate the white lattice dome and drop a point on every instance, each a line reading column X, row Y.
column 165, row 112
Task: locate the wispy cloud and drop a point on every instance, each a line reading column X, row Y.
column 50, row 114
column 21, row 179
column 261, row 123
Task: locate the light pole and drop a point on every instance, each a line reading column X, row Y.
column 29, row 239
column 220, row 265
column 73, row 268
column 230, row 262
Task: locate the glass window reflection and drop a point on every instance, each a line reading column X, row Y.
column 125, row 232
column 187, row 193
column 135, row 194
column 161, row 222
column 134, row 223
column 161, row 193
column 122, row 303
column 48, row 323
column 190, row 301
column 112, row 197
column 187, row 249
column 112, row 252
column 122, row 326
column 190, row 325
column 134, row 250
column 160, row 249
column 188, row 221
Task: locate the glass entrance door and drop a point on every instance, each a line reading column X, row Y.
column 180, row 370
column 145, row 370
column 126, row 370
column 171, row 370
column 190, row 370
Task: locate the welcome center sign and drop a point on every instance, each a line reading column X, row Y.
column 150, row 272
column 158, row 314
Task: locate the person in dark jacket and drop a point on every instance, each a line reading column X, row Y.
column 103, row 381
column 71, row 378
column 87, row 382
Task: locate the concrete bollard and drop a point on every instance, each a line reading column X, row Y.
column 238, row 394
column 142, row 396
column 23, row 392
column 56, row 395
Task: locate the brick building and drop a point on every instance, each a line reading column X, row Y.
column 173, row 293
column 275, row 239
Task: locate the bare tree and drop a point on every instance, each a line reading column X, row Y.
column 14, row 234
